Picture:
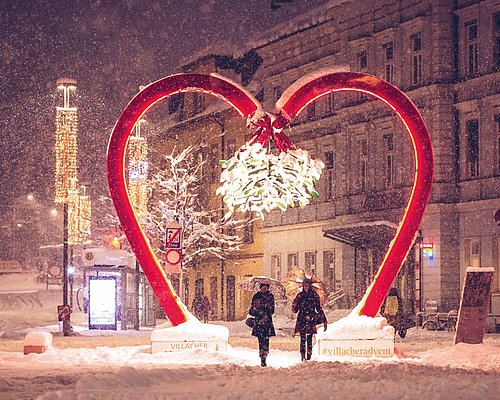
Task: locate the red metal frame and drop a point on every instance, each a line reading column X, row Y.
column 150, row 95
column 246, row 106
column 424, row 166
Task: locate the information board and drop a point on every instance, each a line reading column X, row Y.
column 473, row 305
column 102, row 302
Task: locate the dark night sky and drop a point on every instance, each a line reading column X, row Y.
column 110, row 47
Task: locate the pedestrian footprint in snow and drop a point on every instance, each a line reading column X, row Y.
column 307, row 305
column 262, row 309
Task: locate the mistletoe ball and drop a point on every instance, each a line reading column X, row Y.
column 256, row 180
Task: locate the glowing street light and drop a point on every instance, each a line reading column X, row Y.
column 66, row 141
column 66, row 171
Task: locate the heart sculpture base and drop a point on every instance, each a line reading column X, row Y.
column 189, row 335
column 356, row 348
column 356, row 336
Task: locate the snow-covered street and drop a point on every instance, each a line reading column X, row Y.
column 93, row 366
column 122, row 373
column 119, row 364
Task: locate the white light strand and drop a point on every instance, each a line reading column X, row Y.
column 255, row 180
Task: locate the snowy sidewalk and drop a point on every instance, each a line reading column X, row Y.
column 132, row 372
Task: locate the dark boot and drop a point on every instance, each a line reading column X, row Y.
column 309, row 346
column 263, row 358
column 303, row 356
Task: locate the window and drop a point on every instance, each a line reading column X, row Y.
column 362, row 60
column 416, row 58
column 389, row 158
column 276, row 267
column 472, row 147
column 213, row 163
column 311, row 111
column 214, row 295
column 330, row 103
column 310, row 261
column 475, row 253
column 389, row 62
column 331, row 280
column 496, row 40
column 292, row 261
column 200, row 164
column 231, row 228
column 231, row 148
column 329, row 159
column 248, row 231
column 200, row 102
column 329, row 182
column 277, row 93
column 199, row 287
column 362, row 163
column 176, row 105
column 260, row 96
column 471, row 47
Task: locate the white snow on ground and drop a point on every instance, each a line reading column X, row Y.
column 126, row 372
column 130, row 373
column 432, row 368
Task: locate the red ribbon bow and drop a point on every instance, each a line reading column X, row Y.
column 270, row 126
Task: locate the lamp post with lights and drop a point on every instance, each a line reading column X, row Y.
column 66, row 169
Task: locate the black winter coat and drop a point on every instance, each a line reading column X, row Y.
column 308, row 305
column 262, row 309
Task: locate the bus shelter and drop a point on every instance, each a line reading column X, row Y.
column 117, row 294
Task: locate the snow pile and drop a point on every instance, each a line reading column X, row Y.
column 20, row 283
column 38, row 338
column 318, row 380
column 357, row 327
column 461, row 355
column 192, row 329
column 140, row 357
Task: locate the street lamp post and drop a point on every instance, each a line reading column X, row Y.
column 66, row 171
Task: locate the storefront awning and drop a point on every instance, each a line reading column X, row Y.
column 369, row 235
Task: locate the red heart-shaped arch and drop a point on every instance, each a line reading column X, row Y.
column 292, row 102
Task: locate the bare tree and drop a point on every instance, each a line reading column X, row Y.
column 178, row 193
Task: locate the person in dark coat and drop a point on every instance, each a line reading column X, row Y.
column 307, row 305
column 262, row 309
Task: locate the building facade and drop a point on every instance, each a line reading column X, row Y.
column 445, row 55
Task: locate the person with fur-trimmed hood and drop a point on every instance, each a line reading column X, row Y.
column 308, row 306
column 262, row 309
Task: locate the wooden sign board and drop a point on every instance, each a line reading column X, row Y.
column 474, row 305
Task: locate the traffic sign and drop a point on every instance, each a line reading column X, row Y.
column 173, row 256
column 174, row 236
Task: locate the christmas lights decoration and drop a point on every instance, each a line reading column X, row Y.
column 66, row 141
column 293, row 101
column 255, row 180
column 138, row 170
column 79, row 215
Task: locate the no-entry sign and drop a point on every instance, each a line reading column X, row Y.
column 173, row 256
